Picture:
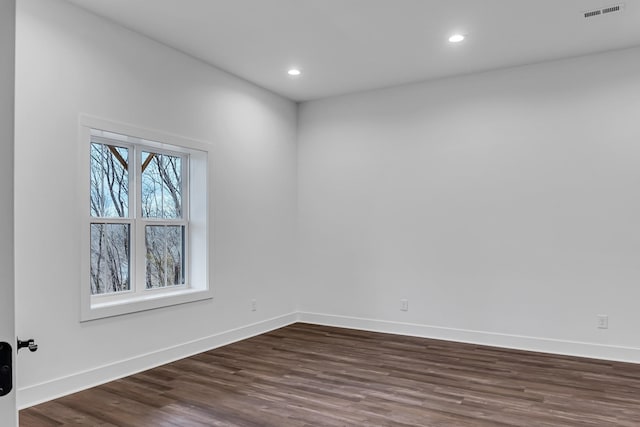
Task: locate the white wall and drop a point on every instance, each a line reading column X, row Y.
column 504, row 206
column 71, row 62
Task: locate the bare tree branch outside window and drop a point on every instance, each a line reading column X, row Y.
column 110, row 243
column 162, row 199
column 160, row 202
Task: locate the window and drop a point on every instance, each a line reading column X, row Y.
column 146, row 242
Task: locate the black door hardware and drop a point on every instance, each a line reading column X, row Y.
column 6, row 376
column 30, row 344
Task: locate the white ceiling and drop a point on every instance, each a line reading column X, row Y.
column 345, row 46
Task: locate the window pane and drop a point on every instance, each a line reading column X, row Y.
column 110, row 246
column 109, row 181
column 165, row 255
column 161, row 186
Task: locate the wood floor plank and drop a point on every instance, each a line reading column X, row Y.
column 309, row 375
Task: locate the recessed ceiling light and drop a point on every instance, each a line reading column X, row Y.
column 456, row 38
column 294, row 72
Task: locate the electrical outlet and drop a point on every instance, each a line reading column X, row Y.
column 254, row 305
column 404, row 305
column 603, row 321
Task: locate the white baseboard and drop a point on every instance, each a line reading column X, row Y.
column 39, row 393
column 544, row 345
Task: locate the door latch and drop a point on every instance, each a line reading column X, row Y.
column 30, row 344
column 6, row 373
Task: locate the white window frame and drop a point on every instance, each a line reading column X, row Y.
column 195, row 170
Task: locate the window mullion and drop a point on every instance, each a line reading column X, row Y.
column 132, row 215
column 140, row 271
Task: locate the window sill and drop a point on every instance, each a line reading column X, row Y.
column 143, row 303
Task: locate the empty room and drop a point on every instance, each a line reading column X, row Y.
column 319, row 213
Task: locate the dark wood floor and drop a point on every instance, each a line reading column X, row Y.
column 306, row 375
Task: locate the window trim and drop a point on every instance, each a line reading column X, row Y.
column 197, row 254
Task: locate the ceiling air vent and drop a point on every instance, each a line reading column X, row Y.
column 611, row 9
column 603, row 11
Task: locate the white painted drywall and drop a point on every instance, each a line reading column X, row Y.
column 7, row 74
column 70, row 62
column 505, row 202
